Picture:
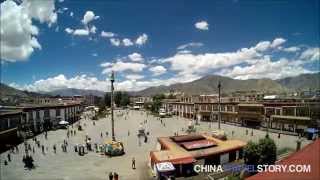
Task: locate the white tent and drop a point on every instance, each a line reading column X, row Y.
column 63, row 123
column 165, row 167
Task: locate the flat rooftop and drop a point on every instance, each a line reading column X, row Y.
column 187, row 148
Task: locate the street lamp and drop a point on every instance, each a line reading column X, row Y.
column 112, row 118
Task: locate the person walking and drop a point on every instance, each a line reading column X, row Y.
column 133, row 163
column 54, row 149
column 110, row 176
column 9, row 157
column 42, row 147
column 116, row 176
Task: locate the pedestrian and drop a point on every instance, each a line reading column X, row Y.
column 74, row 132
column 252, row 132
column 133, row 163
column 33, row 150
column 116, row 176
column 232, row 133
column 54, row 149
column 110, row 176
column 128, row 133
column 62, row 148
column 279, row 136
column 107, row 133
column 246, row 131
column 101, row 135
column 42, row 147
column 5, row 162
column 9, row 157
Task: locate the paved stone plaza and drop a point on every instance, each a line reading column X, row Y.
column 93, row 166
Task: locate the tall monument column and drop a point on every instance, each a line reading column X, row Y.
column 112, row 118
column 219, row 106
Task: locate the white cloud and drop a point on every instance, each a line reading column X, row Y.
column 202, row 25
column 192, row 44
column 93, row 29
column 277, row 42
column 69, row 30
column 134, row 76
column 88, row 17
column 265, row 68
column 135, row 57
column 188, row 64
column 158, row 70
column 311, row 54
column 127, row 42
column 115, row 42
column 291, row 49
column 61, row 81
column 18, row 33
column 142, row 39
column 81, row 32
column 94, row 54
column 263, row 46
column 71, row 14
column 184, row 52
column 107, row 34
column 120, row 66
column 44, row 11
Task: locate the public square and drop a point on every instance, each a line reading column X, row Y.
column 93, row 166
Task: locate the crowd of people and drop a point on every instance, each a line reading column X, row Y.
column 40, row 144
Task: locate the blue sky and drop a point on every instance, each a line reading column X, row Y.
column 179, row 41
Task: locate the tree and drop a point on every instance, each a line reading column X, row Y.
column 121, row 98
column 263, row 152
column 107, row 99
column 252, row 154
column 268, row 151
column 125, row 99
column 117, row 97
column 156, row 102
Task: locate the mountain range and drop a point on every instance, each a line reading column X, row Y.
column 73, row 91
column 209, row 84
column 205, row 85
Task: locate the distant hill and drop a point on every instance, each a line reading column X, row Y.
column 301, row 82
column 12, row 96
column 73, row 92
column 204, row 85
column 208, row 85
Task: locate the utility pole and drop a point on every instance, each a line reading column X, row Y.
column 219, row 101
column 112, row 118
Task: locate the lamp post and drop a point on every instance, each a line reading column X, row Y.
column 112, row 118
column 219, row 105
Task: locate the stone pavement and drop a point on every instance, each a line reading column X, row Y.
column 93, row 166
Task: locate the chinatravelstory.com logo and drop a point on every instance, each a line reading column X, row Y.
column 291, row 168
